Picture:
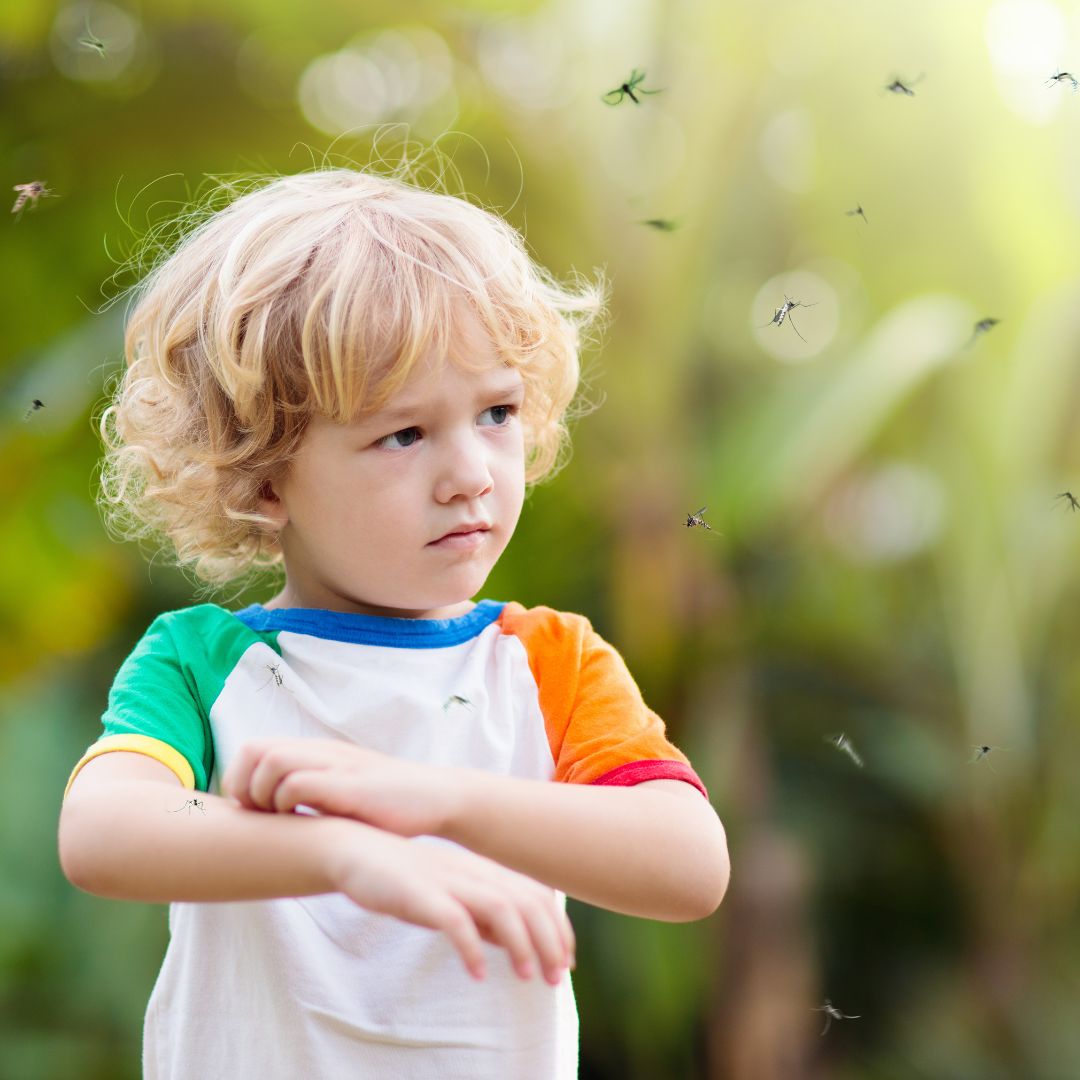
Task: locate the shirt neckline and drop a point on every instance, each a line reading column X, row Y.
column 361, row 629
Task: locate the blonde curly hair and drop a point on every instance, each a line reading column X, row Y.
column 316, row 292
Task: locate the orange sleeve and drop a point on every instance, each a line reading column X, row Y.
column 598, row 726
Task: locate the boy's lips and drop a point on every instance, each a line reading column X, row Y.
column 464, row 536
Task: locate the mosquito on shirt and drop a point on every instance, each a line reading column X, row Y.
column 458, row 700
column 275, row 675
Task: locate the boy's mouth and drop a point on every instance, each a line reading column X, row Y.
column 463, row 535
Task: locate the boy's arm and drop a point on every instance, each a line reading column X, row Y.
column 655, row 850
column 127, row 833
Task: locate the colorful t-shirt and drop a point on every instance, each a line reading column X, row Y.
column 317, row 986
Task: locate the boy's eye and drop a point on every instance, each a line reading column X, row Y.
column 406, row 437
column 504, row 411
column 411, row 432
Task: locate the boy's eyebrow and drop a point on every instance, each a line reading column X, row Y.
column 404, row 412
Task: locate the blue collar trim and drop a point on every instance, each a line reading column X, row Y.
column 374, row 629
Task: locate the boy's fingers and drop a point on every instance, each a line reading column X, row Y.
column 440, row 910
column 549, row 899
column 454, row 919
column 295, row 788
column 545, row 928
column 514, row 912
column 259, row 766
column 502, row 923
column 234, row 783
column 563, row 928
column 273, row 768
column 253, row 774
column 569, row 938
column 327, row 790
column 262, row 782
column 471, row 900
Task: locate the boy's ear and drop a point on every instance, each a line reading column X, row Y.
column 271, row 506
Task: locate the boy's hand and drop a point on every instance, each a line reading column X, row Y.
column 337, row 777
column 467, row 896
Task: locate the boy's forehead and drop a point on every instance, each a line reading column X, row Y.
column 465, row 359
column 473, row 373
column 427, row 381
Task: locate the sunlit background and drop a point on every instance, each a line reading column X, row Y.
column 888, row 559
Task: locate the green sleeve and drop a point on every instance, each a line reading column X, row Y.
column 162, row 696
column 156, row 693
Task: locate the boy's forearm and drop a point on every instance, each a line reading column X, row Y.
column 636, row 850
column 143, row 843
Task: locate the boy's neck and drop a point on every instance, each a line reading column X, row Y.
column 283, row 601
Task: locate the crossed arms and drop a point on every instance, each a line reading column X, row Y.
column 656, row 850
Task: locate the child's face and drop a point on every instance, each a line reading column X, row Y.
column 363, row 504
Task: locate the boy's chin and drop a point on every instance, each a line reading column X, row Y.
column 452, row 611
column 437, row 606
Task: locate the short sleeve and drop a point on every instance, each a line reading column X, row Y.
column 599, row 728
column 154, row 709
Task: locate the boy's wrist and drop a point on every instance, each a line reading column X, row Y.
column 464, row 797
column 337, row 847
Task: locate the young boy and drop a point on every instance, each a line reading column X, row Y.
column 358, row 378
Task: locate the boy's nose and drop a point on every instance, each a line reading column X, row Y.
column 463, row 470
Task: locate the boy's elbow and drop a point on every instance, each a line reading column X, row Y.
column 703, row 889
column 721, row 864
column 75, row 844
column 713, row 876
column 75, row 876
column 70, row 852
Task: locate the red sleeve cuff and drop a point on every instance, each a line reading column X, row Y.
column 636, row 772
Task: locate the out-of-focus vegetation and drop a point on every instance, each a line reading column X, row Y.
column 888, row 557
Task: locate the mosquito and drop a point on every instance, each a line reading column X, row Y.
column 982, row 752
column 782, row 312
column 661, row 224
column 898, row 86
column 92, row 41
column 456, row 699
column 981, row 327
column 698, row 518
column 36, row 404
column 842, row 742
column 1061, row 77
column 275, row 674
column 627, row 89
column 197, row 803
column 1071, row 502
column 858, row 212
column 32, row 191
column 833, row 1013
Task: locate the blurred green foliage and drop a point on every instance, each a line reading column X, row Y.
column 888, row 559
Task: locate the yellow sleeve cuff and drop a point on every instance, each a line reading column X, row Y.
column 139, row 744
